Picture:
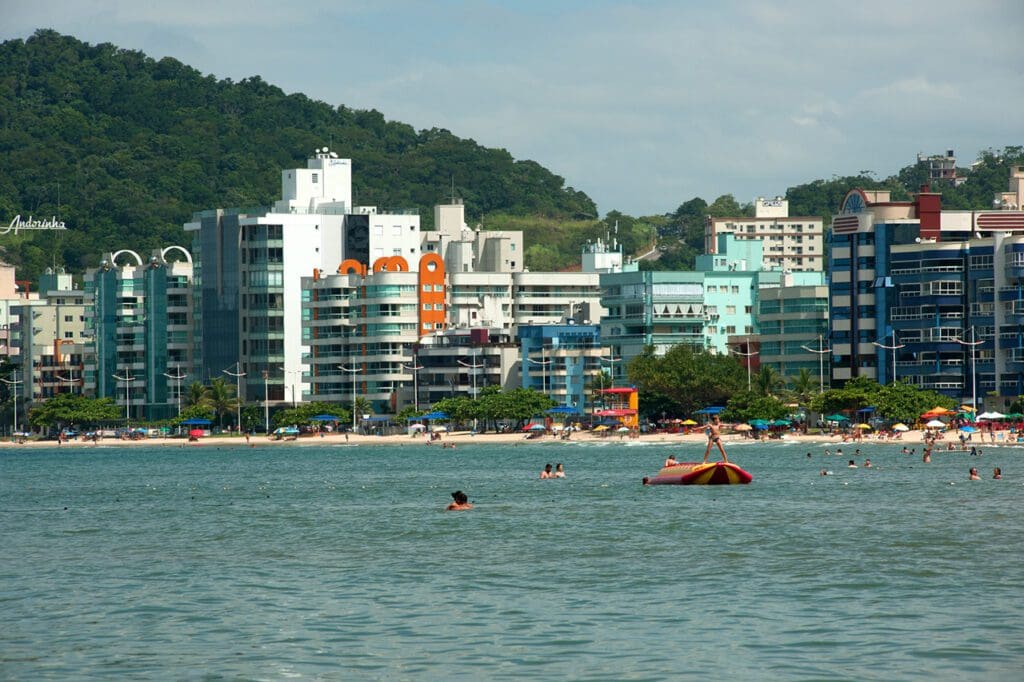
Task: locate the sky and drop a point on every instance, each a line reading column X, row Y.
column 642, row 105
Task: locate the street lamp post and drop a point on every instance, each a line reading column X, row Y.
column 894, row 347
column 14, row 382
column 238, row 374
column 544, row 376
column 821, row 351
column 415, row 383
column 352, row 370
column 746, row 355
column 127, row 379
column 474, row 366
column 67, row 380
column 973, row 343
column 177, row 376
column 266, row 402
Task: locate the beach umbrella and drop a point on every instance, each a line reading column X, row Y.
column 601, row 427
column 688, row 422
column 836, row 418
column 622, row 429
column 968, row 429
column 900, row 427
column 439, row 429
column 862, row 426
column 196, row 421
column 744, row 427
column 417, row 427
column 325, row 418
column 1013, row 415
column 935, row 424
column 990, row 415
column 534, row 427
column 195, row 433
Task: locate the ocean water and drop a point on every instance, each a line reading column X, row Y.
column 315, row 562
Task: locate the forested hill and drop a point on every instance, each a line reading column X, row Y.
column 125, row 148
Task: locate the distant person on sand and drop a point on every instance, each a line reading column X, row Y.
column 547, row 473
column 974, row 474
column 459, row 502
column 671, row 461
column 559, row 471
column 714, row 432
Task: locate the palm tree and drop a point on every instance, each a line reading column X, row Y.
column 222, row 398
column 197, row 396
column 767, row 381
column 804, row 385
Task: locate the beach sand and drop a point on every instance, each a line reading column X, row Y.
column 459, row 439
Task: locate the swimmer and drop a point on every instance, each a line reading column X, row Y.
column 867, row 464
column 851, row 465
column 827, row 451
column 927, row 459
column 974, row 475
column 671, row 461
column 997, row 474
column 714, row 438
column 905, row 450
column 808, row 455
column 825, row 472
column 547, row 473
column 459, row 502
column 559, row 471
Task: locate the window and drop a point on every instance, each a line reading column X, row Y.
column 396, row 230
column 69, row 335
column 316, row 178
column 69, row 318
column 735, row 289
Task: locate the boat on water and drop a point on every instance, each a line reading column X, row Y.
column 700, row 473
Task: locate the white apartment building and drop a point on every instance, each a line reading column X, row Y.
column 252, row 261
column 472, row 250
column 794, row 244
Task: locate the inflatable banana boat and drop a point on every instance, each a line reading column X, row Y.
column 700, row 473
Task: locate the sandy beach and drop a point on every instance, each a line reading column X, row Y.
column 462, row 438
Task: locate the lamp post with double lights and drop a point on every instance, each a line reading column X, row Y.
column 352, row 370
column 474, row 366
column 127, row 379
column 544, row 368
column 177, row 376
column 894, row 347
column 749, row 354
column 15, row 382
column 822, row 352
column 415, row 368
column 237, row 374
column 973, row 343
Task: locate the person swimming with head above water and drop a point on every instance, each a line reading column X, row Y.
column 459, row 502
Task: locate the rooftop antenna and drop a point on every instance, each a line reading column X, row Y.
column 453, row 188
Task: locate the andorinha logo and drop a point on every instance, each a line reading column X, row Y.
column 33, row 224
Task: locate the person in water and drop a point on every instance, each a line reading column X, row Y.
column 559, row 471
column 997, row 473
column 974, row 474
column 459, row 502
column 547, row 473
column 671, row 461
column 851, row 465
column 714, row 432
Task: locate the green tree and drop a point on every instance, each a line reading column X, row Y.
column 684, row 380
column 804, row 385
column 73, row 409
column 747, row 405
column 767, row 381
column 222, row 398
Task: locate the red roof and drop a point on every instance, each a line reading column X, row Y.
column 618, row 390
column 615, row 413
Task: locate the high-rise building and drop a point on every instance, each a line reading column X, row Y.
column 791, row 243
column 250, row 263
column 141, row 331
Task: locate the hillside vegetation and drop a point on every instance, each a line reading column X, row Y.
column 125, row 148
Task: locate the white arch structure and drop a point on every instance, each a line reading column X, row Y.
column 182, row 249
column 113, row 256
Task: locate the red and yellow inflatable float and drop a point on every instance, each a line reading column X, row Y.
column 700, row 473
